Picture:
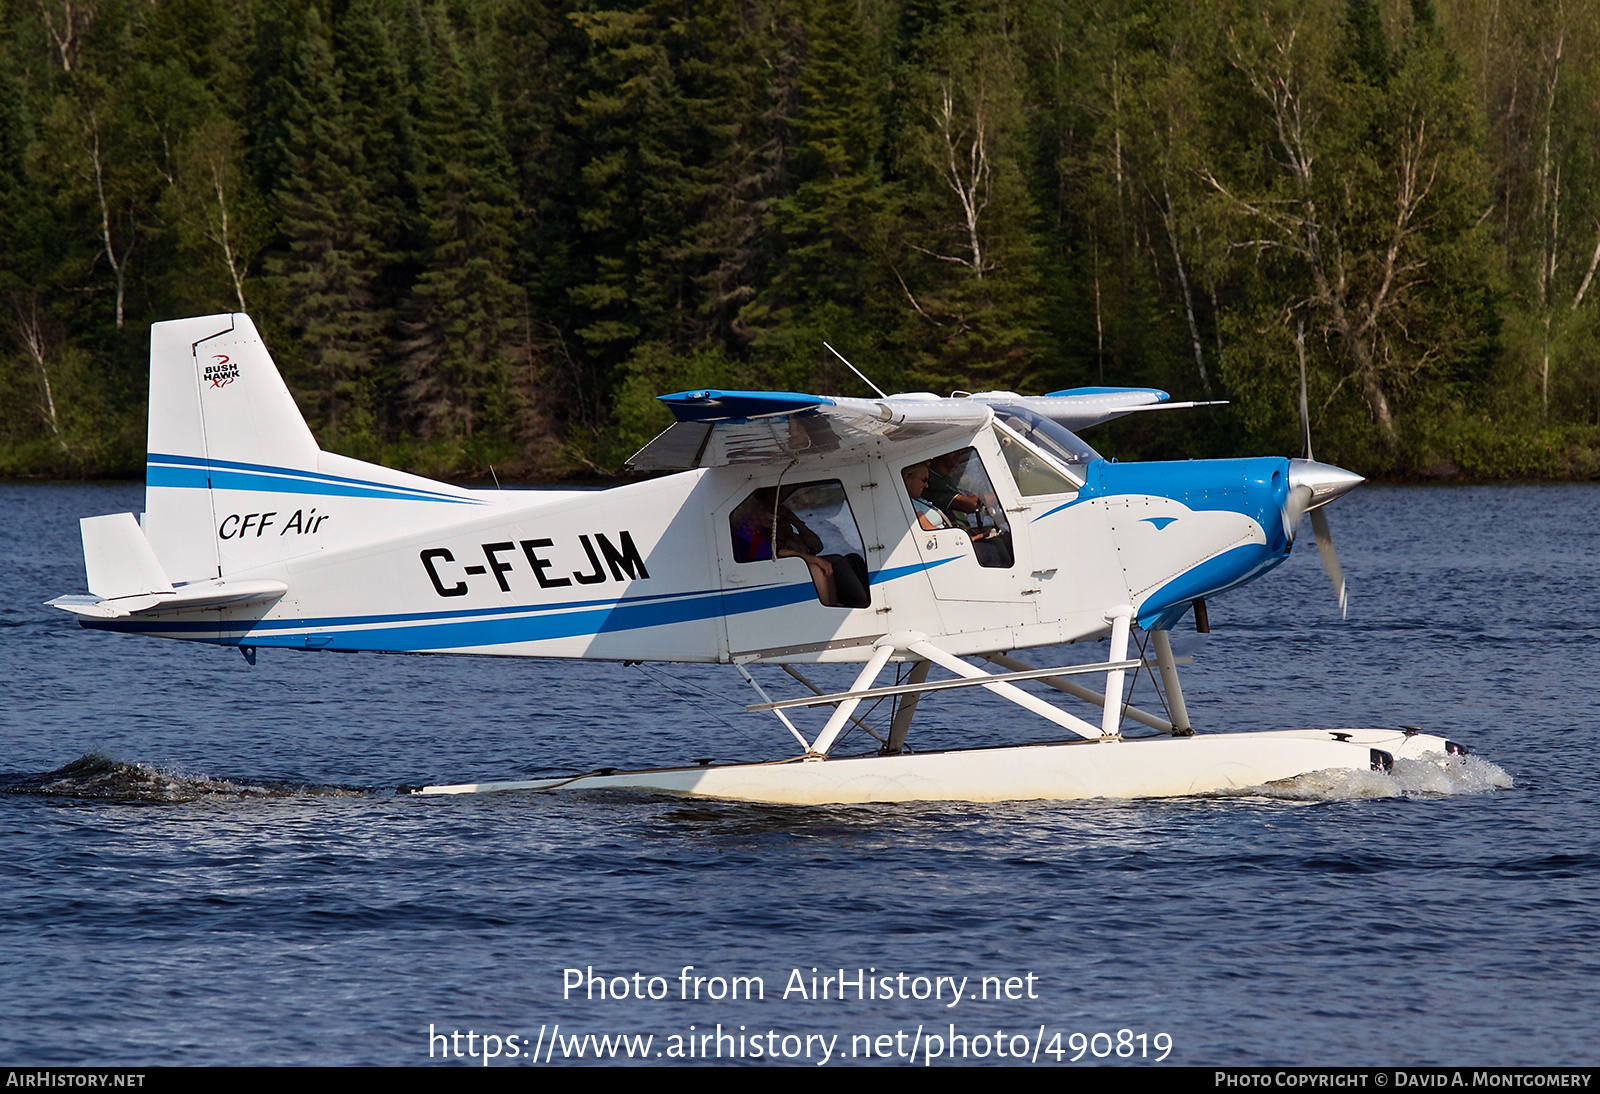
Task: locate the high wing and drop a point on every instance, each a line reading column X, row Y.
column 1081, row 407
column 717, row 428
column 720, row 428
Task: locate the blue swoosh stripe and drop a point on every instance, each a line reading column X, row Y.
column 496, row 626
column 1057, row 509
column 1228, row 570
column 459, row 615
column 1254, row 486
column 190, row 472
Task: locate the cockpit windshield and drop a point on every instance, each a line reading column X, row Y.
column 1053, row 439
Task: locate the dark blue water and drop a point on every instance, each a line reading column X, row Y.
column 206, row 862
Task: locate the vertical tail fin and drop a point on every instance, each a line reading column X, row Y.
column 217, row 405
column 234, row 478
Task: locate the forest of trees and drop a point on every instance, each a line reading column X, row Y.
column 487, row 233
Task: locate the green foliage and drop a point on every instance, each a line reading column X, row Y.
column 323, row 281
column 830, row 222
column 466, row 322
column 487, row 235
column 963, row 250
column 654, row 369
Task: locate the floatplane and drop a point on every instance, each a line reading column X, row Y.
column 794, row 529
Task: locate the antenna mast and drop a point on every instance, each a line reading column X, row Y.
column 857, row 371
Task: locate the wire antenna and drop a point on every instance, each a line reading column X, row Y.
column 1305, row 410
column 857, row 371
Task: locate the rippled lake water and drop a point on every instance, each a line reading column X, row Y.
column 206, row 862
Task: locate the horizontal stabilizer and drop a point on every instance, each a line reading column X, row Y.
column 202, row 594
column 126, row 578
column 119, row 559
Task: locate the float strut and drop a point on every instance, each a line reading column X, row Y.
column 1120, row 618
column 1169, row 683
column 841, row 713
column 855, row 719
column 765, row 698
column 1006, row 691
column 1078, row 691
column 908, row 706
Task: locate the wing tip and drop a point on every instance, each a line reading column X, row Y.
column 719, row 405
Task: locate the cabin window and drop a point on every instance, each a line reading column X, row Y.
column 812, row 521
column 954, row 491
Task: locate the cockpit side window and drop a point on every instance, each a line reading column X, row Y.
column 1034, row 475
column 1058, row 443
column 809, row 520
column 954, row 491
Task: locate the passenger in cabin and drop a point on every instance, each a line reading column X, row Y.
column 763, row 518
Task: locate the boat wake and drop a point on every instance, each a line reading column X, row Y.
column 96, row 776
column 1424, row 777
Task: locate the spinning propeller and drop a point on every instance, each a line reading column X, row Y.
column 1311, row 486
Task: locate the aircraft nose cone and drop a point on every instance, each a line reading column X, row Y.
column 1325, row 481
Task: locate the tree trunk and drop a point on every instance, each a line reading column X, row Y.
column 32, row 338
column 117, row 267
column 1183, row 283
column 222, row 238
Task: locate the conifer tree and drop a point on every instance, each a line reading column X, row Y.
column 642, row 179
column 828, row 277
column 382, row 107
column 465, row 323
column 323, row 278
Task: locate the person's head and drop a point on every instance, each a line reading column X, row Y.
column 946, row 463
column 916, row 479
column 758, row 508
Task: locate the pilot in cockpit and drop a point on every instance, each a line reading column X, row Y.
column 945, row 489
column 991, row 546
column 930, row 516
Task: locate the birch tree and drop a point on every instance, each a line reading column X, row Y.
column 215, row 208
column 968, row 267
column 1366, row 197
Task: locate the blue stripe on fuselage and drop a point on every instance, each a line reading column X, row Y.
column 1228, row 570
column 489, row 626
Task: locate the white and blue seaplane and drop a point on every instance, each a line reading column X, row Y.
column 908, row 529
